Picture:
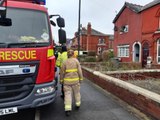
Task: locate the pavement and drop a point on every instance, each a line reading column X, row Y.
column 96, row 105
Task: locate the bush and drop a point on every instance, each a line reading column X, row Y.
column 91, row 53
column 130, row 66
column 107, row 55
column 82, row 58
column 90, row 59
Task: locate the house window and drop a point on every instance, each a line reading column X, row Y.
column 101, row 41
column 159, row 22
column 99, row 50
column 158, row 51
column 123, row 51
column 124, row 29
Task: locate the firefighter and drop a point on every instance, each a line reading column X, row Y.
column 61, row 58
column 64, row 55
column 71, row 77
column 75, row 53
column 58, row 59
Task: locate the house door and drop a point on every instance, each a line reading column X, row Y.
column 145, row 54
column 136, row 56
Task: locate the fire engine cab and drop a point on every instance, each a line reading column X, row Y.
column 27, row 61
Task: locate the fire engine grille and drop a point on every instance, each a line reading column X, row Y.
column 17, row 87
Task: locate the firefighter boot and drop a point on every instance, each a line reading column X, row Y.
column 68, row 113
column 77, row 107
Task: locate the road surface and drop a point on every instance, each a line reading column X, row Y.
column 96, row 105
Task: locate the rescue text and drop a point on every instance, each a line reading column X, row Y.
column 17, row 55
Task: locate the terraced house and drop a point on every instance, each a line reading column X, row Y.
column 137, row 33
column 93, row 40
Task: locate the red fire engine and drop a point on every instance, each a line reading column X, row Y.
column 27, row 61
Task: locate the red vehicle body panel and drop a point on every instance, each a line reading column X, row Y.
column 25, row 5
column 32, row 82
column 47, row 65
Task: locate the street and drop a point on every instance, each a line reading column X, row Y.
column 96, row 104
column 28, row 114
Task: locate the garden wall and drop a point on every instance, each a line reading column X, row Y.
column 146, row 101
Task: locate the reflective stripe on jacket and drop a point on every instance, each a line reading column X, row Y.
column 71, row 71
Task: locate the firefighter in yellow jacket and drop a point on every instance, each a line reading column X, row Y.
column 71, row 77
column 61, row 58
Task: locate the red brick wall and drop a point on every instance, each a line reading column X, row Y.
column 150, row 23
column 149, row 20
column 90, row 42
column 83, row 42
column 147, row 106
column 132, row 19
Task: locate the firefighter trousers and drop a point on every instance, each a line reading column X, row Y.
column 68, row 91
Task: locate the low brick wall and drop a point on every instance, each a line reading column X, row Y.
column 142, row 99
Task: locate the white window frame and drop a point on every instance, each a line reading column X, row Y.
column 123, row 51
column 158, row 47
column 99, row 50
column 101, row 41
column 159, row 22
column 125, row 30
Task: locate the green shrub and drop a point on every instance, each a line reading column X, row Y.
column 90, row 59
column 107, row 55
column 130, row 66
column 99, row 58
column 81, row 58
column 91, row 53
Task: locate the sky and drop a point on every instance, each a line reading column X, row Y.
column 100, row 13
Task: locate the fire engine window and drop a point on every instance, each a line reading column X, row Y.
column 27, row 26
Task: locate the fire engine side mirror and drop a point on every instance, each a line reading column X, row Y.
column 52, row 23
column 62, row 36
column 5, row 22
column 60, row 22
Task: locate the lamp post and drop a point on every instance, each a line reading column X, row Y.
column 79, row 18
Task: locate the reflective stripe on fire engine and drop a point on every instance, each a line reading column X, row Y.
column 50, row 52
column 71, row 79
column 71, row 70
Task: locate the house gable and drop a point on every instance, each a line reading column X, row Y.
column 143, row 38
column 128, row 30
column 133, row 7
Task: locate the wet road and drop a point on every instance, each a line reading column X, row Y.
column 28, row 114
column 96, row 105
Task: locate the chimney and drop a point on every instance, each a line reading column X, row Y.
column 89, row 28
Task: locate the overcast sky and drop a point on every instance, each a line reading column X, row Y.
column 100, row 13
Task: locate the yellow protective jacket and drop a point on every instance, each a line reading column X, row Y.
column 64, row 57
column 58, row 61
column 71, row 72
column 75, row 53
column 61, row 58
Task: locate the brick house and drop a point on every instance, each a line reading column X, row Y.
column 134, row 34
column 127, row 31
column 93, row 40
column 151, row 32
